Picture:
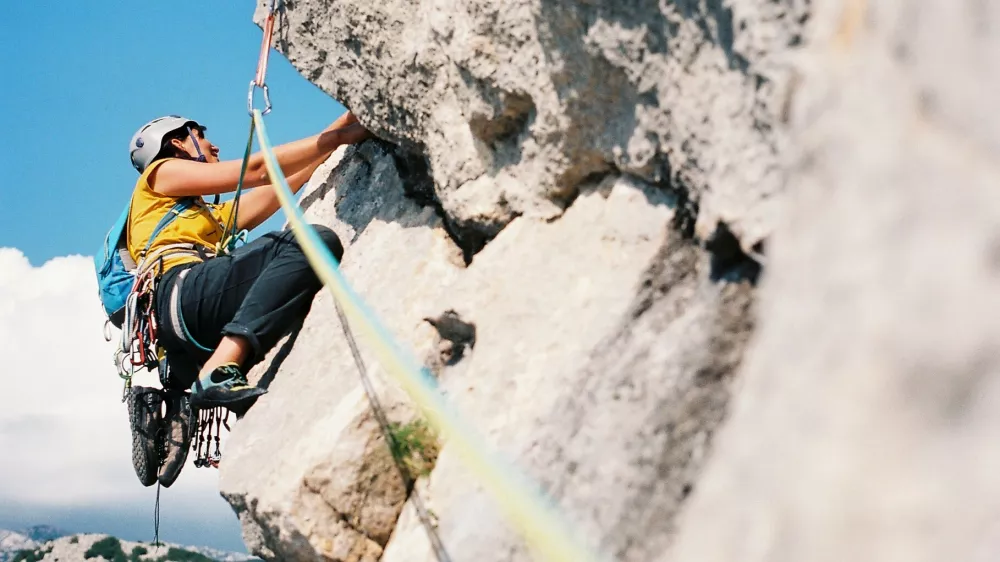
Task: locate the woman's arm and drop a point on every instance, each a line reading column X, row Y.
column 178, row 178
column 258, row 205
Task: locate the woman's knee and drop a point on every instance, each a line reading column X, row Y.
column 332, row 241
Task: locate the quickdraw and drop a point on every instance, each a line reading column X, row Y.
column 210, row 424
column 260, row 79
column 233, row 235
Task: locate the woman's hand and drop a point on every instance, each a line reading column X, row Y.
column 347, row 130
column 354, row 133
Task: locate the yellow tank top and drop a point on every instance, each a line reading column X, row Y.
column 202, row 225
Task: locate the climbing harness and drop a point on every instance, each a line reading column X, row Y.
column 138, row 347
column 390, row 440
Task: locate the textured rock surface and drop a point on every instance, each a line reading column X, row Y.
column 307, row 470
column 542, row 319
column 576, row 181
column 516, row 102
column 553, row 159
column 616, row 422
column 867, row 425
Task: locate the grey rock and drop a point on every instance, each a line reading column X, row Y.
column 534, row 373
column 12, row 542
column 516, row 103
column 866, row 427
column 613, row 413
column 307, row 469
column 558, row 228
column 589, row 185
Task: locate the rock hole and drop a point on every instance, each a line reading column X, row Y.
column 456, row 335
column 685, row 214
column 418, row 184
column 729, row 261
column 517, row 110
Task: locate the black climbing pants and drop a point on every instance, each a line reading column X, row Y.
column 259, row 291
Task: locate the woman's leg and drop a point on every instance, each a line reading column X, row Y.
column 231, row 349
column 237, row 307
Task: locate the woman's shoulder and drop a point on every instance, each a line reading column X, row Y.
column 144, row 185
column 144, row 197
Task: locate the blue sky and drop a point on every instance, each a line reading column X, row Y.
column 76, row 80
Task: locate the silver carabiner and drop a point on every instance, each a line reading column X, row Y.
column 267, row 98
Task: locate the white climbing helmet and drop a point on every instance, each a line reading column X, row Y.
column 148, row 140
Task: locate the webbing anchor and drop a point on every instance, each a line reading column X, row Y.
column 265, row 50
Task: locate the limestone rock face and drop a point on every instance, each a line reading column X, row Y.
column 529, row 230
column 867, row 425
column 519, row 339
column 564, row 219
column 308, row 470
column 516, row 102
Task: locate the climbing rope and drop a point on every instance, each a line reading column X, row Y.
column 210, row 422
column 232, row 233
column 525, row 506
column 156, row 517
column 531, row 512
column 392, row 443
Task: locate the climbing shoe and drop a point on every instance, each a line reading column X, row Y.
column 179, row 425
column 227, row 386
column 147, row 431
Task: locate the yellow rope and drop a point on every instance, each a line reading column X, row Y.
column 525, row 506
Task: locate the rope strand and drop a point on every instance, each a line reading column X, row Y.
column 390, row 440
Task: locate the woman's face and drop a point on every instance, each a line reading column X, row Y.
column 210, row 151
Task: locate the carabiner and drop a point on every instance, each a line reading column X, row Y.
column 267, row 98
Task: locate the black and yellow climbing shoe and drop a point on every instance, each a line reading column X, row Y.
column 179, row 425
column 227, row 386
column 147, row 431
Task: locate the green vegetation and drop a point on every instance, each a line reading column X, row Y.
column 416, row 444
column 137, row 554
column 35, row 555
column 180, row 555
column 108, row 548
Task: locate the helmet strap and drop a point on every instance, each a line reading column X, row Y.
column 201, row 157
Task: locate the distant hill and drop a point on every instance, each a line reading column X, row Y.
column 28, row 546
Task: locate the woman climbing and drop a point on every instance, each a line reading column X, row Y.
column 218, row 315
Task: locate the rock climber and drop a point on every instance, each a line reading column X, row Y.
column 218, row 315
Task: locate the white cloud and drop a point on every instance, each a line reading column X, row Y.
column 64, row 437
